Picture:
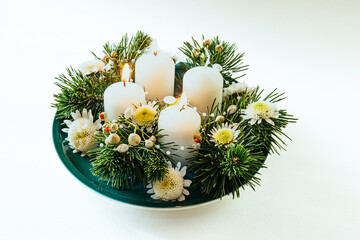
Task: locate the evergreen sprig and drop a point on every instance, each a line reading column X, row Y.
column 79, row 91
column 221, row 170
column 138, row 163
column 127, row 51
column 271, row 136
column 214, row 51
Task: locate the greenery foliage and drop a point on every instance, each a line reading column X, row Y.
column 138, row 163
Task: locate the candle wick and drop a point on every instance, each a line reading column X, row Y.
column 183, row 108
column 124, row 83
column 155, row 53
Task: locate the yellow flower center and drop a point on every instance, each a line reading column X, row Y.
column 143, row 116
column 80, row 135
column 260, row 106
column 224, row 136
column 165, row 184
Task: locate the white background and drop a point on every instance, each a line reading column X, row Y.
column 309, row 49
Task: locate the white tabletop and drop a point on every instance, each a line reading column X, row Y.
column 309, row 49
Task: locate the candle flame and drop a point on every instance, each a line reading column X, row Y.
column 125, row 75
column 183, row 101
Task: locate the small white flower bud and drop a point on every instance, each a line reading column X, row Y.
column 231, row 109
column 149, row 143
column 220, row 119
column 114, row 127
column 153, row 139
column 112, row 139
column 122, row 148
column 134, row 139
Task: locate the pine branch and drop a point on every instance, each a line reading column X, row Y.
column 221, row 171
column 139, row 163
column 220, row 52
column 80, row 92
column 127, row 51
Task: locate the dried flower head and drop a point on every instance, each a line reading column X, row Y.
column 196, row 53
column 219, row 48
column 114, row 54
column 207, row 43
column 105, row 59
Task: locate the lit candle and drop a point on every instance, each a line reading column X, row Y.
column 121, row 95
column 155, row 71
column 179, row 124
column 203, row 85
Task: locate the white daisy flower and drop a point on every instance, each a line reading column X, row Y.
column 172, row 187
column 81, row 131
column 142, row 114
column 259, row 111
column 92, row 66
column 225, row 134
column 236, row 87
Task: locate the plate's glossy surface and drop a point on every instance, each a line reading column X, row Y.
column 80, row 168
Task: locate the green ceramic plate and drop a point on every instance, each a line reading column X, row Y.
column 80, row 168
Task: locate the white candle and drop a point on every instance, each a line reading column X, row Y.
column 180, row 123
column 155, row 71
column 121, row 95
column 203, row 85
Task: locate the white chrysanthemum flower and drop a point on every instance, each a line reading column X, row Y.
column 142, row 114
column 81, row 131
column 236, row 87
column 172, row 187
column 225, row 134
column 92, row 66
column 259, row 111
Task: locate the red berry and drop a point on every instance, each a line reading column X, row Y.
column 107, row 130
column 101, row 115
column 196, row 140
